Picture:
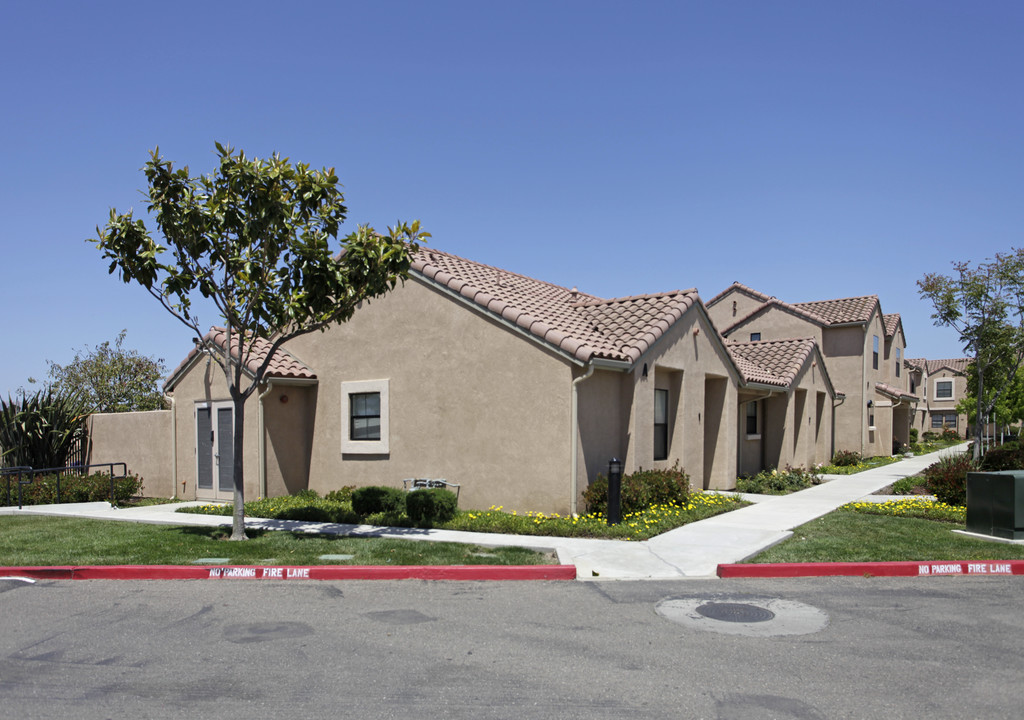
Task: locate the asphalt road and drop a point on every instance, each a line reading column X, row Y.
column 870, row 648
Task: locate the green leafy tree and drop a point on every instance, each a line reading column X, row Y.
column 110, row 378
column 254, row 238
column 985, row 305
column 1007, row 409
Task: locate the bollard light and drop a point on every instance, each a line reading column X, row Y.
column 614, row 491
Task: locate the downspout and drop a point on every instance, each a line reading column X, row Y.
column 574, row 439
column 174, row 446
column 864, row 385
column 262, row 452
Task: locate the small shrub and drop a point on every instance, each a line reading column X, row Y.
column 76, row 488
column 376, row 499
column 904, row 486
column 307, row 494
column 1008, row 456
column 341, row 495
column 640, row 490
column 947, row 478
column 846, row 458
column 913, row 436
column 929, row 436
column 344, row 514
column 429, row 506
column 777, row 482
column 949, row 434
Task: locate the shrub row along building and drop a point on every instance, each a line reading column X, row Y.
column 522, row 391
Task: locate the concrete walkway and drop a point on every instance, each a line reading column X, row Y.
column 691, row 551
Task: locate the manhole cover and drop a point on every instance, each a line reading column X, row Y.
column 735, row 612
column 741, row 614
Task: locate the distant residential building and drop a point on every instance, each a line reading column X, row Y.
column 941, row 384
column 863, row 349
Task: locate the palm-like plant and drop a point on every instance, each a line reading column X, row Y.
column 40, row 430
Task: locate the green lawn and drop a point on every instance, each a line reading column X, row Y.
column 40, row 540
column 852, row 536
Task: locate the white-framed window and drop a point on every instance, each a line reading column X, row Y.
column 365, row 417
column 943, row 389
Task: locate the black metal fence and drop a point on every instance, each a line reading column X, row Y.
column 25, row 475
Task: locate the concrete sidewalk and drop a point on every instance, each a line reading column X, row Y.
column 691, row 551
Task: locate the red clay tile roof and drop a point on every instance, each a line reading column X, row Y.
column 957, row 365
column 282, row 365
column 891, row 321
column 584, row 326
column 843, row 310
column 895, row 393
column 771, row 362
column 757, row 295
column 822, row 312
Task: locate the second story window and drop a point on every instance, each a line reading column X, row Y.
column 943, row 389
column 874, row 354
column 898, row 362
column 754, row 337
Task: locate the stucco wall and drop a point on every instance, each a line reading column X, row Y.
column 470, row 401
column 732, row 307
column 142, row 440
column 776, row 324
column 704, row 421
column 603, row 418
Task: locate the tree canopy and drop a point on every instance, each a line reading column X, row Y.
column 110, row 378
column 254, row 237
column 984, row 303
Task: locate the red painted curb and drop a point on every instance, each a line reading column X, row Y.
column 913, row 568
column 286, row 572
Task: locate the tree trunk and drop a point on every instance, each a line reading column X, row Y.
column 978, row 431
column 238, row 516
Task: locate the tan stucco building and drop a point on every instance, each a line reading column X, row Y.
column 518, row 390
column 863, row 349
column 941, row 384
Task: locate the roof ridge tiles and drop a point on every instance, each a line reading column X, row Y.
column 844, row 299
column 501, row 271
column 736, row 285
column 630, row 298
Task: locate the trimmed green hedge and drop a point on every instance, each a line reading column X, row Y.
column 432, row 505
column 73, row 489
column 376, row 499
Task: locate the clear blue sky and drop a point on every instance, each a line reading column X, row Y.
column 809, row 149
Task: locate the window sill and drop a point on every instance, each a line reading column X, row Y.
column 754, row 437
